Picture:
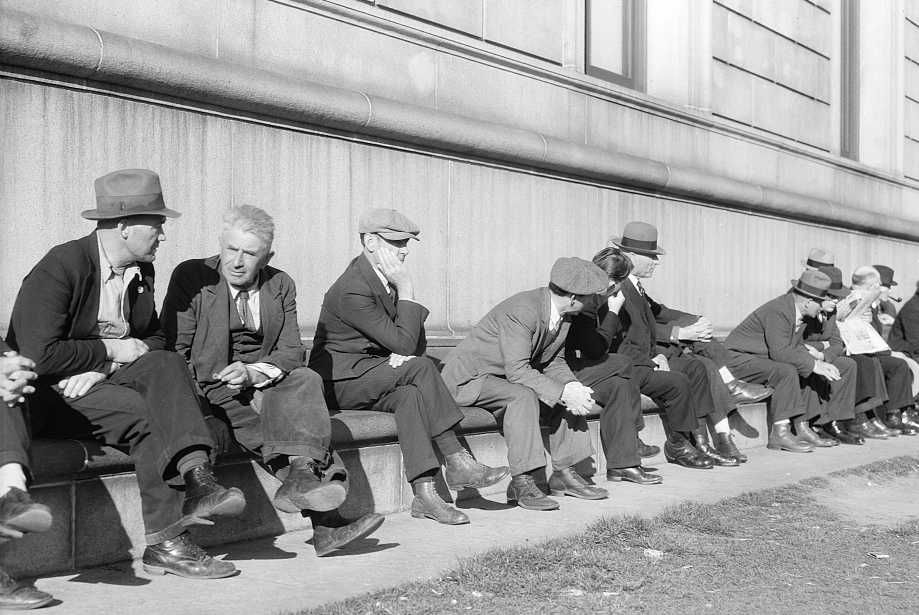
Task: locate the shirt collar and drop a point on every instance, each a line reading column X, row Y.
column 234, row 292
column 799, row 316
column 634, row 280
column 376, row 270
column 554, row 316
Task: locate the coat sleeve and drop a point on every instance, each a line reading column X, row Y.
column 515, row 339
column 360, row 309
column 904, row 334
column 593, row 332
column 288, row 353
column 41, row 321
column 180, row 314
column 779, row 331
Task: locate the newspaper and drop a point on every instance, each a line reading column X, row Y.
column 860, row 337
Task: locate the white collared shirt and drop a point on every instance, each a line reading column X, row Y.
column 273, row 372
column 555, row 318
column 111, row 321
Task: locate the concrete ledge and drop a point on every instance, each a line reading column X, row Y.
column 86, row 53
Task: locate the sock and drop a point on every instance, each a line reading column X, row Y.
column 722, row 426
column 726, row 375
column 11, row 475
column 447, row 443
column 191, row 459
column 426, row 477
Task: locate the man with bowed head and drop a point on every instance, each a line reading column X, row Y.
column 234, row 319
column 369, row 349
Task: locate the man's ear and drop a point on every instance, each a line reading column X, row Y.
column 268, row 257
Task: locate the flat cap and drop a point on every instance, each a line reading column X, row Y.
column 578, row 276
column 387, row 223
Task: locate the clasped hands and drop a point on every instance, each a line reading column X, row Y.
column 577, row 398
column 15, row 374
column 118, row 352
column 238, row 375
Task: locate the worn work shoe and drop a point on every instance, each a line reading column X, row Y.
column 635, row 474
column 524, row 492
column 18, row 596
column 569, row 482
column 647, row 450
column 743, row 392
column 331, row 531
column 19, row 514
column 205, row 497
column 461, row 471
column 680, row 451
column 805, row 434
column 429, row 505
column 182, row 557
column 724, row 444
column 705, row 448
column 303, row 489
column 781, row 439
column 865, row 429
column 841, row 433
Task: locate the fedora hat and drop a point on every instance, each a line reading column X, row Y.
column 837, row 288
column 639, row 238
column 128, row 192
column 812, row 284
column 818, row 257
column 886, row 275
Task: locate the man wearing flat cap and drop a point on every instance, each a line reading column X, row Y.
column 369, row 349
column 767, row 347
column 682, row 343
column 513, row 362
column 234, row 319
column 85, row 314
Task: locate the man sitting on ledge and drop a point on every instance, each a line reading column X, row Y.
column 369, row 349
column 513, row 362
column 18, row 513
column 85, row 314
column 234, row 319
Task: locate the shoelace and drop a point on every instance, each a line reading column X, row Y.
column 191, row 548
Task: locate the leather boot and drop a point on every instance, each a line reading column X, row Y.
column 20, row 596
column 724, row 444
column 864, row 429
column 806, row 434
column 840, row 432
column 569, row 482
column 303, row 489
column 647, row 450
column 461, row 470
column 182, row 557
column 524, row 492
column 781, row 439
column 331, row 531
column 205, row 497
column 679, row 450
column 428, row 504
column 704, row 446
column 894, row 420
column 882, row 428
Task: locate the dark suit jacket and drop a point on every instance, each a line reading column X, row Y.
column 360, row 325
column 904, row 334
column 58, row 305
column 196, row 318
column 638, row 339
column 824, row 336
column 769, row 333
column 513, row 341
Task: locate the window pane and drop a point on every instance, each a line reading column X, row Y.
column 605, row 36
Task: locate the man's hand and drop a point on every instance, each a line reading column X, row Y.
column 827, row 370
column 79, row 384
column 15, row 374
column 396, row 360
column 885, row 319
column 661, row 363
column 125, row 350
column 814, row 352
column 699, row 331
column 238, row 375
column 577, row 398
column 397, row 273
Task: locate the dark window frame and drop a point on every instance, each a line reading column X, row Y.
column 634, row 45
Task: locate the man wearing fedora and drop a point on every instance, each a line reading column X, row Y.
column 513, row 362
column 19, row 515
column 683, row 342
column 234, row 319
column 85, row 314
column 767, row 347
column 369, row 349
column 819, row 258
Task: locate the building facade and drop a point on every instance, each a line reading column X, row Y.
column 512, row 131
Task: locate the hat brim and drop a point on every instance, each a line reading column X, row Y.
column 95, row 214
column 395, row 235
column 804, row 293
column 617, row 241
column 839, row 293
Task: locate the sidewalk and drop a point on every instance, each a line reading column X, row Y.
column 283, row 574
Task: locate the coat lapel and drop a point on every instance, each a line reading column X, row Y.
column 373, row 280
column 215, row 308
column 271, row 313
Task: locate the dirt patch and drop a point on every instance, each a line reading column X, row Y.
column 884, row 501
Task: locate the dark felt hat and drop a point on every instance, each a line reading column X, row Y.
column 128, row 192
column 837, row 288
column 388, row 223
column 639, row 238
column 578, row 276
column 812, row 283
column 886, row 275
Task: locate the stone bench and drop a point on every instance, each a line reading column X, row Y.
column 93, row 492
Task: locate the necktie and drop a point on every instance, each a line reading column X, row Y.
column 242, row 306
column 641, row 289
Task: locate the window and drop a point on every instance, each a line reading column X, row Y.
column 615, row 41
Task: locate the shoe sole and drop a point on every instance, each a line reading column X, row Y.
column 370, row 529
column 453, row 487
column 26, row 607
column 162, row 570
column 683, row 465
column 622, row 479
column 35, row 520
column 326, row 497
column 424, row 515
column 778, row 447
column 528, row 507
column 232, row 505
column 559, row 493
